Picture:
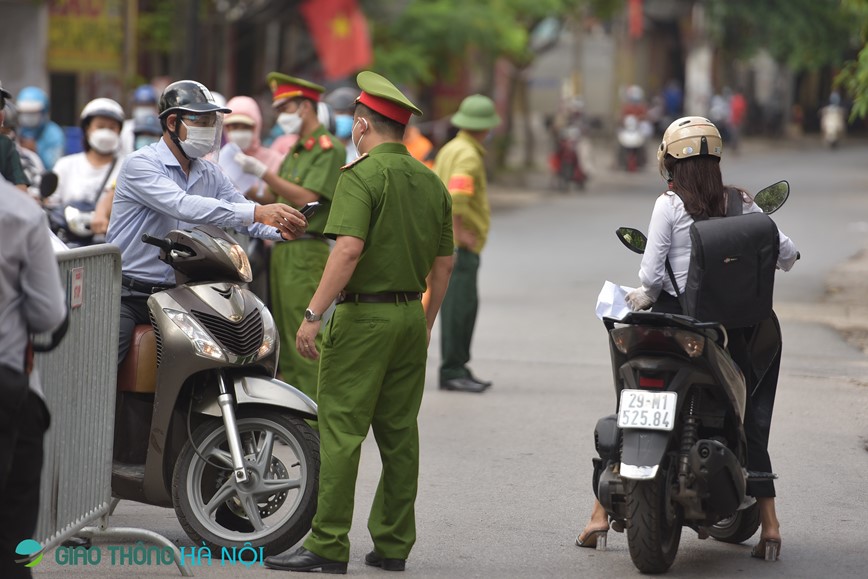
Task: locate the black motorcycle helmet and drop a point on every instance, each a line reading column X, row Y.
column 186, row 96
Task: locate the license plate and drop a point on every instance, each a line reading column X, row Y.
column 646, row 409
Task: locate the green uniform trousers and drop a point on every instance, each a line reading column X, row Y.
column 296, row 270
column 372, row 374
column 458, row 316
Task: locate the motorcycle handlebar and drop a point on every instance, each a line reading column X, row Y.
column 161, row 243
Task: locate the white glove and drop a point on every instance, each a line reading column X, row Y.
column 251, row 165
column 639, row 299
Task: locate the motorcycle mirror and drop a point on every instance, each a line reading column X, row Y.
column 773, row 197
column 48, row 184
column 633, row 239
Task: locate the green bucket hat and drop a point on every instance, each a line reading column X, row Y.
column 476, row 113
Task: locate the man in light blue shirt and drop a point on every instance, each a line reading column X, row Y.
column 168, row 186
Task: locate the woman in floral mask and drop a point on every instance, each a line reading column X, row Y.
column 85, row 177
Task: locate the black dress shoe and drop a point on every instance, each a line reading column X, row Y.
column 462, row 385
column 303, row 560
column 486, row 383
column 374, row 559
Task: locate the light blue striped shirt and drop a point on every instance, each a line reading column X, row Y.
column 153, row 195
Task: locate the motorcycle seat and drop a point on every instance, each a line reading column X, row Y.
column 138, row 371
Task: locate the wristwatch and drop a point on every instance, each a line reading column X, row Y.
column 311, row 316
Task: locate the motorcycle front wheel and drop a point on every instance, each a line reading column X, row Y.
column 274, row 508
column 654, row 520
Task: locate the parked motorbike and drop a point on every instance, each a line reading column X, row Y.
column 203, row 425
column 675, row 453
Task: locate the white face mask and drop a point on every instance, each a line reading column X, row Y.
column 241, row 138
column 359, row 144
column 199, row 141
column 290, row 123
column 29, row 120
column 103, row 141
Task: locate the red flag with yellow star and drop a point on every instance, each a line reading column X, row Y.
column 340, row 34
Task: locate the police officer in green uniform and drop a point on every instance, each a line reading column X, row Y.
column 309, row 173
column 392, row 218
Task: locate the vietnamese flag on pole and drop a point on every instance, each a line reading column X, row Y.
column 340, row 34
column 635, row 18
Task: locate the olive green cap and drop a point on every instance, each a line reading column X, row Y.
column 285, row 87
column 382, row 96
column 476, row 113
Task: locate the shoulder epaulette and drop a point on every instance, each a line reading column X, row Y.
column 325, row 143
column 354, row 163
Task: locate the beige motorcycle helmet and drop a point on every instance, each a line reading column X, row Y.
column 688, row 137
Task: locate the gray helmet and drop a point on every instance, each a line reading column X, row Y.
column 342, row 99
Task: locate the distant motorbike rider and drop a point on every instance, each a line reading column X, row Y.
column 36, row 131
column 31, row 164
column 146, row 131
column 85, row 177
column 832, row 121
column 10, row 160
column 144, row 105
column 689, row 159
column 168, row 186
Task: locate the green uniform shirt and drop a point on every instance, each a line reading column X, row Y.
column 10, row 162
column 311, row 165
column 459, row 164
column 403, row 213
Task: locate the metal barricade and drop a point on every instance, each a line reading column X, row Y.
column 79, row 380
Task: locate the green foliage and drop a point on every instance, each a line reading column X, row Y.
column 854, row 76
column 157, row 25
column 804, row 34
column 422, row 41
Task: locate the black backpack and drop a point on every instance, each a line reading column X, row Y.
column 731, row 277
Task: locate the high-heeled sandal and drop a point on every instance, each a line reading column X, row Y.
column 594, row 540
column 768, row 549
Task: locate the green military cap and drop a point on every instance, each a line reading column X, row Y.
column 285, row 87
column 476, row 113
column 380, row 95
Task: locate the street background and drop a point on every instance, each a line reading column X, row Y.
column 505, row 476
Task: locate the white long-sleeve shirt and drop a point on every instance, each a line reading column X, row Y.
column 669, row 236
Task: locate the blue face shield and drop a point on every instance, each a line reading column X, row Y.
column 343, row 126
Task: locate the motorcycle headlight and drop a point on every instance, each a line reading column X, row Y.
column 238, row 258
column 269, row 334
column 205, row 345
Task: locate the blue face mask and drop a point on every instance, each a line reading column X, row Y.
column 343, row 126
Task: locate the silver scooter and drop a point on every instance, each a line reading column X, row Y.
column 203, row 425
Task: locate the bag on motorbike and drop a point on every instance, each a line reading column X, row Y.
column 731, row 276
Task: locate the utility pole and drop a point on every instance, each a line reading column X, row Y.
column 697, row 77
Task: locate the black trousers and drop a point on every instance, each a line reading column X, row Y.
column 134, row 311
column 23, row 422
column 760, row 398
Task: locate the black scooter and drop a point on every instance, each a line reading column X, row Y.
column 675, row 454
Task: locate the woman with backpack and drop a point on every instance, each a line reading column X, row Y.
column 689, row 160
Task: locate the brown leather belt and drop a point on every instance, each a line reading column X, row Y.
column 381, row 298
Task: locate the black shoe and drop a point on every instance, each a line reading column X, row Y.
column 462, row 385
column 486, row 383
column 374, row 559
column 303, row 560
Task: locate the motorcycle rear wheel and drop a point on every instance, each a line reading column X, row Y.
column 274, row 509
column 654, row 521
column 738, row 528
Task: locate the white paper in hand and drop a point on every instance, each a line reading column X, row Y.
column 612, row 301
column 242, row 181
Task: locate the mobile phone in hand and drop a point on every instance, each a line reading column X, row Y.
column 309, row 209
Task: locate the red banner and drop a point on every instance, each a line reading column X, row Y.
column 635, row 18
column 340, row 34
